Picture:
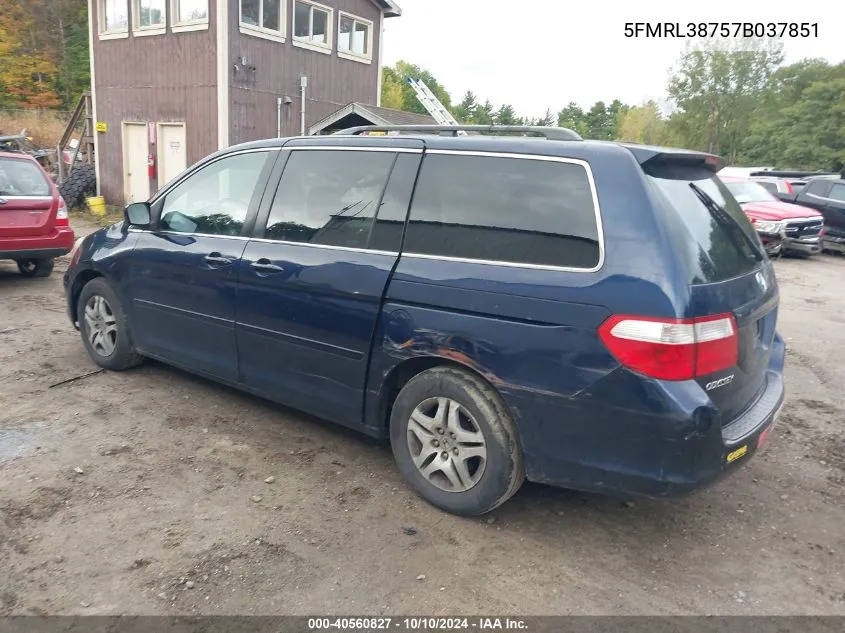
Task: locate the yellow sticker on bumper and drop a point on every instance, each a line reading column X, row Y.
column 735, row 455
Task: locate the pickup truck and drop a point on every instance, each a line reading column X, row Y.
column 826, row 196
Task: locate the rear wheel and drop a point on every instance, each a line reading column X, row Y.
column 105, row 327
column 455, row 442
column 36, row 267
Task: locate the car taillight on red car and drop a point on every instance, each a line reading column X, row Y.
column 672, row 349
column 62, row 214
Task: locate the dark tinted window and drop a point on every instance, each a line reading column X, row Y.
column 215, row 200
column 837, row 192
column 504, row 209
column 329, row 197
column 719, row 242
column 22, row 178
column 387, row 232
column 817, row 187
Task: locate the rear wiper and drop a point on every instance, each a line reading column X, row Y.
column 724, row 218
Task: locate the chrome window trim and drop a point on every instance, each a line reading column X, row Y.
column 352, row 148
column 261, row 240
column 825, row 198
column 331, row 247
column 30, row 198
column 491, row 262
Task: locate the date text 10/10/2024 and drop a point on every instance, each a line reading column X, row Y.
column 721, row 29
column 417, row 624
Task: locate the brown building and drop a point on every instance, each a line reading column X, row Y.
column 175, row 80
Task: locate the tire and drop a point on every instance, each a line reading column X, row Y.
column 36, row 267
column 81, row 183
column 113, row 349
column 482, row 484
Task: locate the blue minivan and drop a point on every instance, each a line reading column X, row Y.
column 592, row 315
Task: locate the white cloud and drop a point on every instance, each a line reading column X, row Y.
column 538, row 54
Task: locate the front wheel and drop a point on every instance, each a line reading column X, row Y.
column 36, row 267
column 105, row 327
column 455, row 442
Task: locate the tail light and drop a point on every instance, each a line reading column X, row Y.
column 789, row 188
column 62, row 214
column 672, row 349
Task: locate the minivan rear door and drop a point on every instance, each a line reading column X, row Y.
column 27, row 206
column 312, row 280
column 729, row 273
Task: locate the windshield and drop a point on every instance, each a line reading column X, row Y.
column 749, row 192
column 22, row 178
column 707, row 225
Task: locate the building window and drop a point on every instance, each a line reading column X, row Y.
column 312, row 25
column 149, row 17
column 355, row 38
column 263, row 17
column 189, row 15
column 113, row 18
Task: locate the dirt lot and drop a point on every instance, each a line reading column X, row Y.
column 144, row 493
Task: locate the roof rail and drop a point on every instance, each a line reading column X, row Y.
column 791, row 173
column 551, row 133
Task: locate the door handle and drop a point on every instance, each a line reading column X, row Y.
column 216, row 260
column 266, row 267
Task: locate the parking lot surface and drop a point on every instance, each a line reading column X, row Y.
column 155, row 492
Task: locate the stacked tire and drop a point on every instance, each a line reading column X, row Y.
column 80, row 184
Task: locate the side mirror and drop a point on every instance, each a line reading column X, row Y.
column 138, row 214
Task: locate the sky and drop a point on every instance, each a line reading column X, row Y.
column 539, row 54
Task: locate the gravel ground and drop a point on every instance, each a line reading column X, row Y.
column 155, row 492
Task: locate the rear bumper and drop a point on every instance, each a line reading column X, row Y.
column 55, row 244
column 666, row 454
column 807, row 245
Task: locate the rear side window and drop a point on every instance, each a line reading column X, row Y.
column 509, row 210
column 838, row 192
column 22, row 178
column 329, row 197
column 718, row 242
column 769, row 186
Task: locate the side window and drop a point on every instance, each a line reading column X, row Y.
column 329, row 197
column 837, row 192
column 504, row 209
column 390, row 222
column 768, row 186
column 214, row 200
column 817, row 188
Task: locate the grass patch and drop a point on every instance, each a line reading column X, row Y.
column 45, row 127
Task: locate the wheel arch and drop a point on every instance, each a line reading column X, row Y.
column 79, row 282
column 408, row 368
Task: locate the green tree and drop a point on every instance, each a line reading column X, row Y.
column 642, row 124
column 506, row 115
column 485, row 115
column 546, row 120
column 573, row 117
column 392, row 91
column 716, row 89
column 465, row 111
column 405, row 70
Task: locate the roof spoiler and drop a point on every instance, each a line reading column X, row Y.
column 551, row 133
column 649, row 155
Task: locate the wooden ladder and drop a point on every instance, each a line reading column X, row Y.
column 84, row 112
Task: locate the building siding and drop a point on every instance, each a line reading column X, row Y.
column 333, row 82
column 152, row 79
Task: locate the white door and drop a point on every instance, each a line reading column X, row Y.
column 136, row 178
column 172, row 152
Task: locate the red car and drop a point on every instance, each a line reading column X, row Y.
column 34, row 226
column 782, row 226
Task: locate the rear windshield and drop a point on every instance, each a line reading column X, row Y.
column 751, row 191
column 22, row 178
column 697, row 205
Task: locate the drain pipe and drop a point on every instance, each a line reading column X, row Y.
column 303, row 84
column 278, row 117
